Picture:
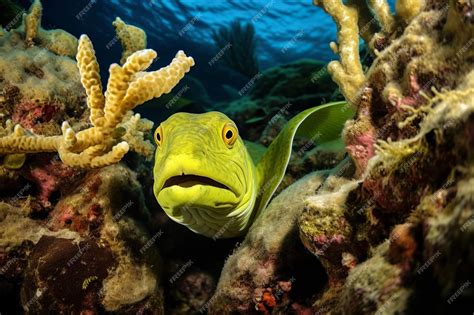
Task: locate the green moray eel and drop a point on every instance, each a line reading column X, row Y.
column 207, row 179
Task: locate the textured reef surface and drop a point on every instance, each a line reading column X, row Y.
column 396, row 236
column 387, row 230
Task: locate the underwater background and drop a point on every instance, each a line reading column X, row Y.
column 378, row 221
column 282, row 32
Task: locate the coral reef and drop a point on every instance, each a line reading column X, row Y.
column 57, row 41
column 110, row 115
column 412, row 145
column 74, row 239
column 397, row 237
column 388, row 231
column 97, row 242
column 43, row 77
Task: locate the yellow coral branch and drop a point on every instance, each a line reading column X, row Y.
column 383, row 14
column 84, row 160
column 148, row 85
column 119, row 81
column 347, row 72
column 408, row 9
column 367, row 22
column 57, row 41
column 33, row 21
column 90, row 79
column 131, row 37
column 135, row 126
column 115, row 129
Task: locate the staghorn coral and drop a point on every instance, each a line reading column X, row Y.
column 131, row 37
column 383, row 14
column 128, row 86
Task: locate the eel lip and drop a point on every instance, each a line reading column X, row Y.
column 186, row 181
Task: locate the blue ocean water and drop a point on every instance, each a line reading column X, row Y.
column 285, row 30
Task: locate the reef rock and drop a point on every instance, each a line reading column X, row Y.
column 92, row 243
column 270, row 270
column 71, row 240
column 398, row 238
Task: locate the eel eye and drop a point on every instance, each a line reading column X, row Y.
column 229, row 134
column 158, row 135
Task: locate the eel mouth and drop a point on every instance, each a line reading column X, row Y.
column 187, row 181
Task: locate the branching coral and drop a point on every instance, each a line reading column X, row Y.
column 131, row 37
column 114, row 128
column 384, row 16
column 356, row 17
column 347, row 73
column 367, row 22
column 33, row 21
column 57, row 41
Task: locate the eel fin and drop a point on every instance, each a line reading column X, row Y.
column 321, row 124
